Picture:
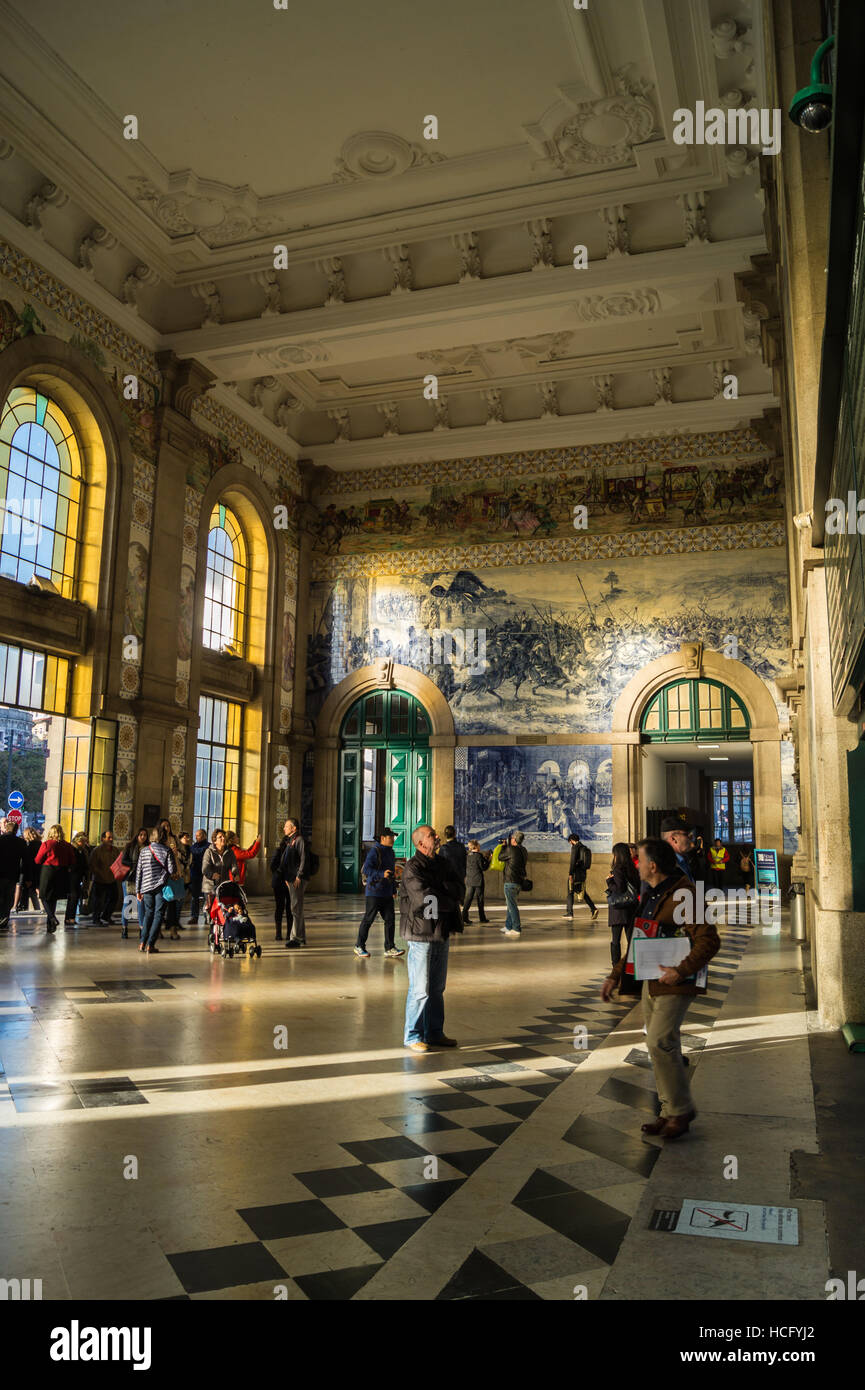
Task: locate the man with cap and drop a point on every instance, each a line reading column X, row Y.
column 679, row 836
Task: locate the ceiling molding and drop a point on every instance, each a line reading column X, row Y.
column 591, row 427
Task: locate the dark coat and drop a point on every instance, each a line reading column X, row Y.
column 428, row 885
column 196, row 859
column 515, row 858
column 476, row 862
column 623, row 916
column 576, row 871
column 12, row 856
column 454, row 851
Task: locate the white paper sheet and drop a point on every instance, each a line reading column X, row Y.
column 651, row 955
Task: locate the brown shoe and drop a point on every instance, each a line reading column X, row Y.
column 442, row 1042
column 655, row 1126
column 418, row 1046
column 678, row 1125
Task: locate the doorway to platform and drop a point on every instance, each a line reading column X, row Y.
column 384, row 778
column 698, row 760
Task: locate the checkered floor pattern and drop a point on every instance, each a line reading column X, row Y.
column 571, row 1218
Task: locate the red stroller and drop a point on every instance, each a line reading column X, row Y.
column 231, row 929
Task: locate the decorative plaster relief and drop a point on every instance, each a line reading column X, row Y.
column 596, row 308
column 376, row 154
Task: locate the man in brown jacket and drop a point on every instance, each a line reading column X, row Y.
column 668, row 899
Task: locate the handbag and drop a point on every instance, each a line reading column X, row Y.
column 120, row 870
column 527, row 885
column 622, row 899
column 174, row 889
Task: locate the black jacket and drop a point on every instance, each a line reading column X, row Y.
column 476, row 863
column 624, row 916
column 576, row 870
column 515, row 859
column 12, row 856
column 428, row 886
column 454, row 851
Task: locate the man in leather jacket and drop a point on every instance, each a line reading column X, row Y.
column 429, row 908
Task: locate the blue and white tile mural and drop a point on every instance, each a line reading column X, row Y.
column 547, row 792
column 790, row 799
column 551, row 667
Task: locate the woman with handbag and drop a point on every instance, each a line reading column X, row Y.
column 155, row 870
column 129, row 859
column 623, row 894
column 55, row 857
column 172, row 906
column 79, row 875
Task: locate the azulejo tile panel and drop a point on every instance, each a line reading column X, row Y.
column 736, row 536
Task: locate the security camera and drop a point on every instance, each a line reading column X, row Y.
column 811, row 107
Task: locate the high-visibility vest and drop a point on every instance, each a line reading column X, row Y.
column 717, row 857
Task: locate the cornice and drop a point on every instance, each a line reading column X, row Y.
column 314, row 335
column 592, row 427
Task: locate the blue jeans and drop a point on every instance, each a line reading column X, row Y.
column 425, row 1005
column 512, row 919
column 152, row 909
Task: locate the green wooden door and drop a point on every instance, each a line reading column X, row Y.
column 348, row 820
column 393, row 723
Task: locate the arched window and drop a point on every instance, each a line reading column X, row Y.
column 695, row 711
column 40, row 491
column 225, row 586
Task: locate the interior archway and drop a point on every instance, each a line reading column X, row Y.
column 689, row 663
column 377, row 677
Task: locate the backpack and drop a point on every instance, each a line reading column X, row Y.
column 363, row 878
column 585, row 857
column 312, row 863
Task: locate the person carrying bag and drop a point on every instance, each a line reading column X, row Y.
column 155, row 868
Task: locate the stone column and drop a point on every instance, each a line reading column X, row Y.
column 156, row 708
column 839, row 964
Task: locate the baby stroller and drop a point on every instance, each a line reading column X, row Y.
column 231, row 930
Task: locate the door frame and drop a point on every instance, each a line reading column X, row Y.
column 379, row 676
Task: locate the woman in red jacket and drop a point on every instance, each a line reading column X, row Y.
column 56, row 857
column 241, row 855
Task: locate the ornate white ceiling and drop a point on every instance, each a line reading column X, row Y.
column 305, row 129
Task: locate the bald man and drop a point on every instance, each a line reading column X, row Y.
column 430, row 895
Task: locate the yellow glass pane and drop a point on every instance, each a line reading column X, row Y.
column 653, row 720
column 737, row 718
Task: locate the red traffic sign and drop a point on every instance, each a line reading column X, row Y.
column 15, row 816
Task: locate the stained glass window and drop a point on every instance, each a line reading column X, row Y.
column 225, row 586
column 40, row 491
column 217, row 764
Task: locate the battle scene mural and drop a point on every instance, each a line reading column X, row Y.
column 550, row 666
column 547, row 792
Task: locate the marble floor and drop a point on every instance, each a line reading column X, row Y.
column 194, row 1128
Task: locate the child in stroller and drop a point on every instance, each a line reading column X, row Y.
column 231, row 930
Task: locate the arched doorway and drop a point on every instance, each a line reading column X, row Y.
column 379, row 677
column 698, row 759
column 748, row 720
column 384, row 777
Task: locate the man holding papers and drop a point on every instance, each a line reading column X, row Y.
column 666, row 961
